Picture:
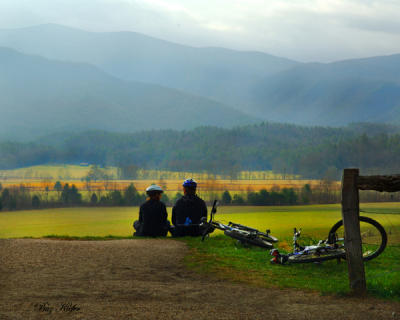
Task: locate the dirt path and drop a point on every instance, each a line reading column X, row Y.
column 145, row 279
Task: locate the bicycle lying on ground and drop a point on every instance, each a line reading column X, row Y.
column 245, row 235
column 373, row 237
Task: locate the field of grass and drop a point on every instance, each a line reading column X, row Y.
column 222, row 256
column 100, row 221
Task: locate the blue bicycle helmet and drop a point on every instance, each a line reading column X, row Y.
column 190, row 183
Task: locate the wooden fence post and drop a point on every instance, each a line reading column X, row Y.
column 351, row 223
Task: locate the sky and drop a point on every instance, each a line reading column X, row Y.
column 303, row 30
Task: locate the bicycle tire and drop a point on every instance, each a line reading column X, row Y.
column 255, row 241
column 270, row 238
column 263, row 235
column 338, row 254
column 383, row 236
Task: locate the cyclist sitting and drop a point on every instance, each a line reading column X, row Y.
column 188, row 211
column 152, row 215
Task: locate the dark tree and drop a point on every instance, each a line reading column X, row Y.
column 6, row 198
column 65, row 194
column 237, row 199
column 226, row 197
column 116, row 198
column 93, row 199
column 74, row 196
column 131, row 195
column 58, row 186
column 70, row 195
column 35, row 202
column 306, row 194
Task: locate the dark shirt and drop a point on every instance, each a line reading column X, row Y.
column 189, row 206
column 153, row 218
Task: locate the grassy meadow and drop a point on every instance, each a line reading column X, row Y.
column 101, row 221
column 222, row 256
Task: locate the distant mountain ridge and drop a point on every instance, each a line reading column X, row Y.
column 257, row 84
column 333, row 94
column 217, row 73
column 39, row 96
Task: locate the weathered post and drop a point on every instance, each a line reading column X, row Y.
column 351, row 223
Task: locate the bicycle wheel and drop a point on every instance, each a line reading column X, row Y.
column 373, row 236
column 314, row 257
column 244, row 238
column 270, row 238
column 263, row 235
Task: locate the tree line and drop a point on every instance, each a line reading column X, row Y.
column 20, row 197
column 312, row 152
column 66, row 195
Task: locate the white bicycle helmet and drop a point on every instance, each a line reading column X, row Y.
column 154, row 187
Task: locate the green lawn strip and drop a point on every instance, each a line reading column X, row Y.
column 223, row 257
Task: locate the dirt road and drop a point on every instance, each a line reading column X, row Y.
column 146, row 279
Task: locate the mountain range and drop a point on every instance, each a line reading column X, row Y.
column 56, row 78
column 364, row 90
column 40, row 96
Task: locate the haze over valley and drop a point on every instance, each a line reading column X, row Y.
column 60, row 78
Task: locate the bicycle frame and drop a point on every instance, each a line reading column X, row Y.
column 327, row 245
column 231, row 226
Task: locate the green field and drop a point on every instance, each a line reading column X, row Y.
column 99, row 221
column 222, row 256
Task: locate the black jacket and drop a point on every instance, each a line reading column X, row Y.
column 153, row 218
column 188, row 206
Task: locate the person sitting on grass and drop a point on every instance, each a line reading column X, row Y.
column 153, row 215
column 188, row 212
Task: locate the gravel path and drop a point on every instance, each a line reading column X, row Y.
column 146, row 279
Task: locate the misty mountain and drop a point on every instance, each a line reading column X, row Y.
column 366, row 90
column 264, row 86
column 222, row 74
column 40, row 96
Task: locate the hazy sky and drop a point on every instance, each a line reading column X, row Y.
column 305, row 30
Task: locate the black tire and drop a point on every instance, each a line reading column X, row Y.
column 206, row 231
column 271, row 238
column 263, row 235
column 381, row 240
column 244, row 238
column 303, row 258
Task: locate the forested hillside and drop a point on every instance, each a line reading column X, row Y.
column 313, row 152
